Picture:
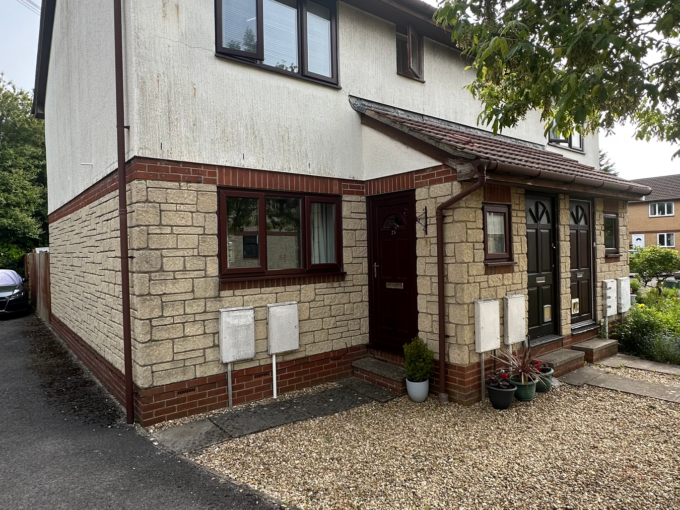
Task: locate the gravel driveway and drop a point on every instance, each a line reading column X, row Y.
column 572, row 448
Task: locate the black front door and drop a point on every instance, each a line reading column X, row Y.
column 581, row 256
column 393, row 313
column 541, row 265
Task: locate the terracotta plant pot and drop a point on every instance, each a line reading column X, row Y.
column 544, row 385
column 418, row 391
column 500, row 398
column 526, row 391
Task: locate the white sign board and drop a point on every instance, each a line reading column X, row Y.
column 515, row 321
column 609, row 294
column 638, row 240
column 624, row 294
column 283, row 331
column 487, row 325
column 237, row 334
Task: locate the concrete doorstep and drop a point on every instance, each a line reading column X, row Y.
column 200, row 434
column 594, row 377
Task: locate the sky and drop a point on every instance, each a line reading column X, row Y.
column 19, row 28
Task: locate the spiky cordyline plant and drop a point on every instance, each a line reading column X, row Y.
column 521, row 364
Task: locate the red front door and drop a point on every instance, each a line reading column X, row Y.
column 393, row 313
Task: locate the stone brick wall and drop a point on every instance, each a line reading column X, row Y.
column 564, row 276
column 85, row 276
column 608, row 268
column 176, row 289
column 467, row 277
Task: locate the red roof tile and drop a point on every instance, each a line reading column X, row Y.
column 496, row 149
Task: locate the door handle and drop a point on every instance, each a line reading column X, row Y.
column 375, row 270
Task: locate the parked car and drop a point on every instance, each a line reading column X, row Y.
column 13, row 293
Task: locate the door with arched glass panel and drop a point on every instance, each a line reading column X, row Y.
column 541, row 266
column 581, row 261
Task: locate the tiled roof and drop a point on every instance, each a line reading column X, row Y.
column 666, row 187
column 510, row 153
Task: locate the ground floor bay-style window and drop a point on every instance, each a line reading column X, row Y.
column 278, row 234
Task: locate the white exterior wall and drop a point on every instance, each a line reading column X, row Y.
column 187, row 104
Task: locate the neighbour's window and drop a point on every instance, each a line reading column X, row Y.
column 611, row 234
column 296, row 37
column 661, row 209
column 410, row 54
column 270, row 233
column 573, row 141
column 497, row 242
column 666, row 240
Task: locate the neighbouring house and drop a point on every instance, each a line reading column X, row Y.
column 653, row 220
column 297, row 151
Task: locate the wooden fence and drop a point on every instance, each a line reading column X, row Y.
column 37, row 267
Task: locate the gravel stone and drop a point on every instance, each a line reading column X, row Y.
column 574, row 447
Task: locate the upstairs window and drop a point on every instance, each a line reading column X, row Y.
column 666, row 240
column 661, row 209
column 294, row 37
column 573, row 141
column 410, row 54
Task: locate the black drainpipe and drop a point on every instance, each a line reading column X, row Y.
column 122, row 210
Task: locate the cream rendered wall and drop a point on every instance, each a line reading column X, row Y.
column 80, row 108
column 196, row 107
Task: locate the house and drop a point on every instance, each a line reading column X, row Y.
column 303, row 151
column 653, row 220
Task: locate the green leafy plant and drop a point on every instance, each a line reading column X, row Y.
column 635, row 286
column 582, row 65
column 653, row 263
column 419, row 361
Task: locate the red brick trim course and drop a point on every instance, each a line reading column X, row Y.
column 177, row 171
column 171, row 401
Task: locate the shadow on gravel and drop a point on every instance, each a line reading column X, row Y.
column 65, row 381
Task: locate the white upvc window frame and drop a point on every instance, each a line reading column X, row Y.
column 655, row 208
column 665, row 239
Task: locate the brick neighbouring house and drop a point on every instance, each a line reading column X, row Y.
column 277, row 172
column 653, row 221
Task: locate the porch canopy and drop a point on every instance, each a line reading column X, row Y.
column 522, row 164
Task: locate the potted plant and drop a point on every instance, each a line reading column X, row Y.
column 500, row 389
column 544, row 383
column 524, row 373
column 419, row 361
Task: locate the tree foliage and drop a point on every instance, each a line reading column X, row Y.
column 23, row 177
column 654, row 262
column 607, row 165
column 585, row 64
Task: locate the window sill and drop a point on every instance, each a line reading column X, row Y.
column 498, row 263
column 278, row 71
column 612, row 257
column 404, row 75
column 228, row 279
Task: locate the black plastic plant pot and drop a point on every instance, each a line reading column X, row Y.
column 500, row 398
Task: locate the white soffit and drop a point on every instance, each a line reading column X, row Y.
column 237, row 334
column 514, row 313
column 282, row 328
column 487, row 325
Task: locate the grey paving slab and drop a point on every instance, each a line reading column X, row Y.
column 581, row 376
column 260, row 418
column 624, row 360
column 372, row 391
column 642, row 388
column 381, row 368
column 192, row 436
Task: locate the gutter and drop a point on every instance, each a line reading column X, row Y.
column 122, row 209
column 482, row 165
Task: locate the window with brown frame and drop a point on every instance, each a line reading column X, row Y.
column 497, row 241
column 275, row 234
column 611, row 235
column 293, row 37
column 410, row 54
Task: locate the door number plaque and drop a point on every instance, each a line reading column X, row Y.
column 391, row 285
